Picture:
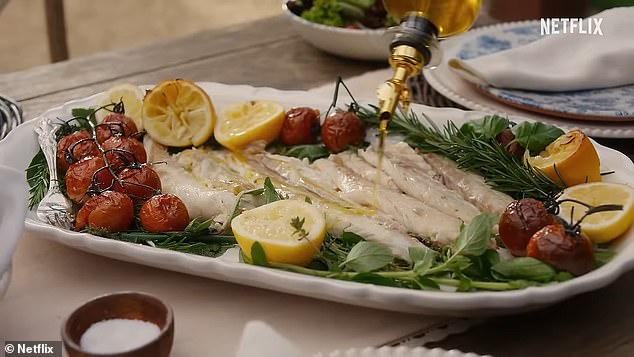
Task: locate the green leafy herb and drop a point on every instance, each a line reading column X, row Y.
column 258, row 257
column 37, row 176
column 423, row 258
column 270, row 193
column 535, row 136
column 311, row 152
column 326, row 12
column 488, row 127
column 298, row 224
column 368, row 256
column 523, row 268
column 474, row 239
column 86, row 113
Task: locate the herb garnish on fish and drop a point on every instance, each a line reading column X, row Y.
column 472, row 152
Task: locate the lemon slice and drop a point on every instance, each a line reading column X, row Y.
column 571, row 158
column 246, row 122
column 178, row 113
column 132, row 97
column 603, row 226
column 271, row 226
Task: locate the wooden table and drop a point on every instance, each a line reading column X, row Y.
column 263, row 53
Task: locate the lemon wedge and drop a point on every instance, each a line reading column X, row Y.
column 272, row 226
column 571, row 158
column 178, row 113
column 132, row 97
column 603, row 226
column 243, row 123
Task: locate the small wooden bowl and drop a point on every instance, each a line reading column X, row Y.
column 123, row 305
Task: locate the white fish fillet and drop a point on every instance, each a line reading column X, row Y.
column 413, row 175
column 207, row 191
column 417, row 217
column 472, row 187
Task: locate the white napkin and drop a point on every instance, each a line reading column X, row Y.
column 562, row 62
column 261, row 340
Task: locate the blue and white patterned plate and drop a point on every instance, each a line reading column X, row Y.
column 608, row 104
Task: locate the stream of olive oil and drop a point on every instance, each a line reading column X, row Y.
column 379, row 166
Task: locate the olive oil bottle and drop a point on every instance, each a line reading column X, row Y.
column 451, row 17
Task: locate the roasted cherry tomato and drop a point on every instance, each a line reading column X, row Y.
column 123, row 151
column 115, row 124
column 301, row 126
column 342, row 129
column 164, row 213
column 111, row 211
column 79, row 177
column 81, row 150
column 561, row 249
column 140, row 183
column 520, row 220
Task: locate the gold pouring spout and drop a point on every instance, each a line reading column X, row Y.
column 413, row 46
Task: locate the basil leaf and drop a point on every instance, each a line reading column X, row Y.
column 351, row 238
column 258, row 257
column 535, row 136
column 458, row 263
column 310, row 152
column 422, row 258
column 270, row 193
column 488, row 127
column 602, row 257
column 84, row 113
column 367, row 256
column 474, row 238
column 523, row 268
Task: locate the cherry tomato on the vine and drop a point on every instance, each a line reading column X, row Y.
column 79, row 177
column 110, row 211
column 342, row 129
column 561, row 249
column 164, row 213
column 81, row 150
column 140, row 183
column 301, row 126
column 115, row 123
column 520, row 220
column 124, row 151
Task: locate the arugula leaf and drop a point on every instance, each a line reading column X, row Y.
column 367, row 256
column 87, row 113
column 258, row 257
column 310, row 152
column 488, row 127
column 270, row 193
column 535, row 136
column 523, row 268
column 474, row 238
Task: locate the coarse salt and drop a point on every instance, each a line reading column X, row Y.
column 118, row 335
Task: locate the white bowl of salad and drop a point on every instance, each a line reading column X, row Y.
column 347, row 28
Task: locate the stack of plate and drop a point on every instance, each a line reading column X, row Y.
column 603, row 113
column 10, row 115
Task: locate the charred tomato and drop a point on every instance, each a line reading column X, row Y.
column 88, row 173
column 121, row 151
column 301, row 126
column 341, row 130
column 66, row 156
column 520, row 220
column 115, row 124
column 139, row 182
column 555, row 245
column 164, row 213
column 110, row 211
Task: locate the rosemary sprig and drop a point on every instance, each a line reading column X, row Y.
column 472, row 153
column 38, row 178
